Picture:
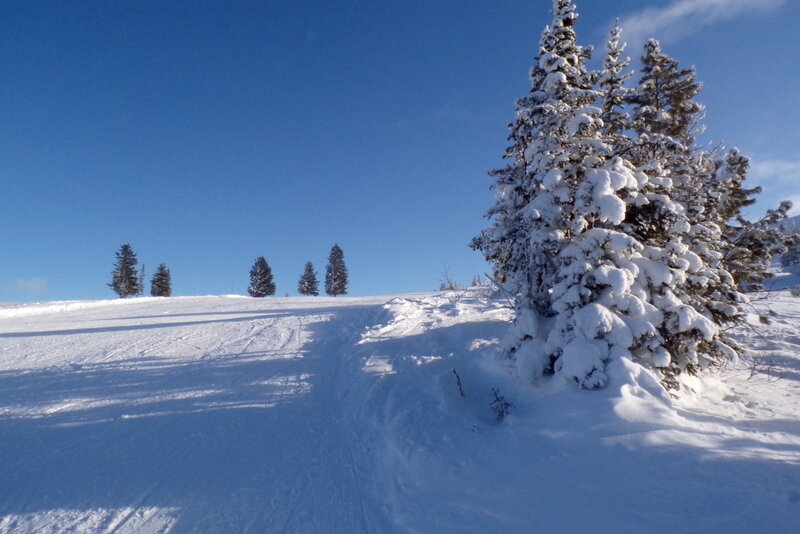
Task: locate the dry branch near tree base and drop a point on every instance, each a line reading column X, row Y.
column 458, row 382
column 500, row 405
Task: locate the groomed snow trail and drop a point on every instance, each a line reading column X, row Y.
column 320, row 415
column 184, row 415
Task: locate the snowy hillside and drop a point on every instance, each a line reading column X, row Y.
column 235, row 415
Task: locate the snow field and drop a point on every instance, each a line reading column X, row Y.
column 231, row 414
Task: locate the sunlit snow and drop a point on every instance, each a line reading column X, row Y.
column 231, row 414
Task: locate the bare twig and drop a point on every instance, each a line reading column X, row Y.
column 506, row 295
column 450, row 285
column 458, row 381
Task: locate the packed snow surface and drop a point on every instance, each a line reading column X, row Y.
column 346, row 415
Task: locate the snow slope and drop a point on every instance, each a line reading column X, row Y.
column 232, row 414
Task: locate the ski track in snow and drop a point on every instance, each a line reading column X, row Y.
column 155, row 365
column 231, row 414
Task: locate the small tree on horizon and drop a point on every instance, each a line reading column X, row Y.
column 308, row 284
column 261, row 281
column 125, row 278
column 161, row 283
column 141, row 280
column 336, row 273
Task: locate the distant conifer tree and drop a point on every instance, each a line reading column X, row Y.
column 161, row 284
column 308, row 284
column 336, row 273
column 261, row 284
column 141, row 280
column 124, row 278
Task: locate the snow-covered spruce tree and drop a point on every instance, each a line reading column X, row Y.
column 613, row 93
column 524, row 206
column 675, row 223
column 750, row 245
column 261, row 284
column 161, row 283
column 124, row 277
column 733, row 195
column 308, row 284
column 503, row 243
column 665, row 120
column 336, row 273
column 579, row 282
column 756, row 243
column 141, row 280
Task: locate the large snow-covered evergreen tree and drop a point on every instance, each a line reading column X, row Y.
column 125, row 278
column 261, row 280
column 336, row 273
column 604, row 230
column 161, row 283
column 710, row 189
column 665, row 119
column 556, row 236
column 308, row 284
column 526, row 235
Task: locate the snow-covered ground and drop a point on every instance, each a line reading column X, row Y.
column 232, row 414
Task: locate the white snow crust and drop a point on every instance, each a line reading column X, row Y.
column 232, row 414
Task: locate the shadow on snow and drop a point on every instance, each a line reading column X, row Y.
column 216, row 440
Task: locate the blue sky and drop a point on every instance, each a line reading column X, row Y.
column 206, row 134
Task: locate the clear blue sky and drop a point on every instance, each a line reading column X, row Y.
column 208, row 133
